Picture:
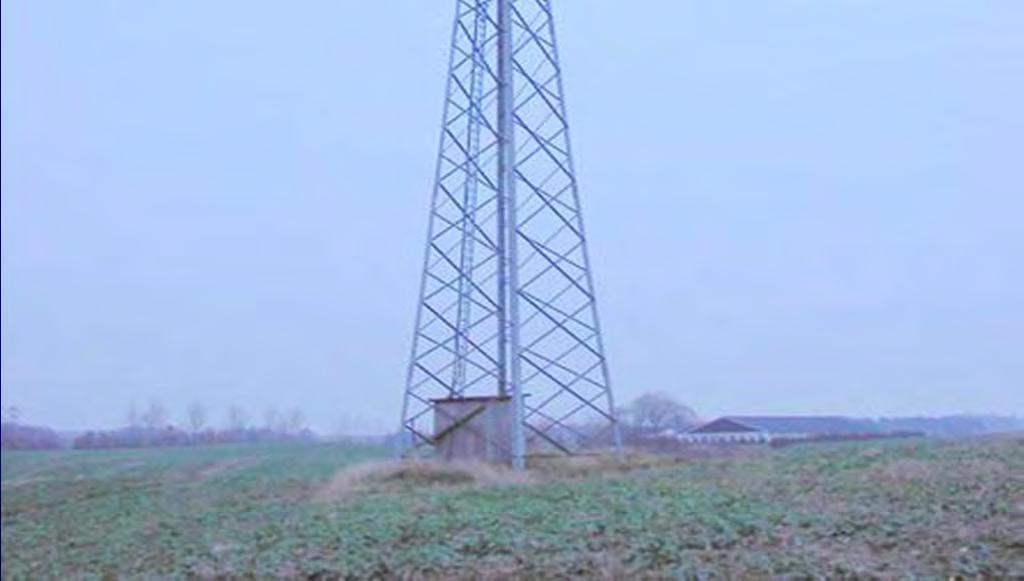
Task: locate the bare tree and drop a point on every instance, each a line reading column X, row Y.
column 295, row 421
column 155, row 416
column 196, row 417
column 237, row 419
column 133, row 415
column 12, row 415
column 10, row 439
column 272, row 420
column 655, row 412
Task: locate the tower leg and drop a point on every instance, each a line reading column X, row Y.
column 507, row 153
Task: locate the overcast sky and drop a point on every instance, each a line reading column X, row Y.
column 793, row 206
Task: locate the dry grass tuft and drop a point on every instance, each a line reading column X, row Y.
column 398, row 475
column 402, row 475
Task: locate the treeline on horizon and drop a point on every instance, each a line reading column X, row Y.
column 956, row 426
column 152, row 427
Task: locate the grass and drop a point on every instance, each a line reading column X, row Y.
column 867, row 509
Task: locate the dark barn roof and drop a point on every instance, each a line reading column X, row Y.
column 786, row 425
column 723, row 425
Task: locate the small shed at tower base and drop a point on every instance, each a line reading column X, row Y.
column 477, row 429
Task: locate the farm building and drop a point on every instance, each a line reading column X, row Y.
column 756, row 429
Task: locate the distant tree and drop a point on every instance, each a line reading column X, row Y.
column 22, row 437
column 14, row 435
column 655, row 412
column 10, row 427
column 294, row 422
column 272, row 420
column 237, row 419
column 196, row 417
column 955, row 426
column 133, row 415
column 155, row 416
column 12, row 414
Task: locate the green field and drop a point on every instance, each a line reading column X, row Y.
column 893, row 509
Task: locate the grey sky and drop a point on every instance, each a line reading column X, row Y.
column 794, row 206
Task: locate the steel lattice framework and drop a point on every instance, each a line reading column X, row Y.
column 507, row 301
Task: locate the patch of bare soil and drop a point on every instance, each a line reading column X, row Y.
column 562, row 467
column 903, row 470
column 908, row 470
column 217, row 468
column 1018, row 510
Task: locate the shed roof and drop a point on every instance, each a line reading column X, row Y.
column 786, row 425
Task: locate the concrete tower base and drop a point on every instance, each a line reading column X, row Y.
column 474, row 428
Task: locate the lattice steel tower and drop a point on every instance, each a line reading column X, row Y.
column 506, row 307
